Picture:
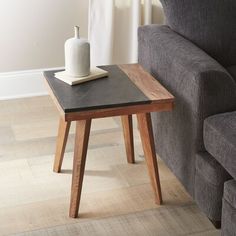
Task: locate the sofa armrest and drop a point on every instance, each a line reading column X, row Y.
column 199, row 83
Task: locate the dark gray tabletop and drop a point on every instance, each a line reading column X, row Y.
column 116, row 90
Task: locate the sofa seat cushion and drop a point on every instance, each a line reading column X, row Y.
column 210, row 169
column 229, row 209
column 210, row 177
column 220, row 139
column 211, row 25
column 230, row 192
column 232, row 71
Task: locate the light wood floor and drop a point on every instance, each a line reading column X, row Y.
column 117, row 198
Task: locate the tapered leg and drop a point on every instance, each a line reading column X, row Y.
column 146, row 132
column 63, row 131
column 128, row 137
column 81, row 146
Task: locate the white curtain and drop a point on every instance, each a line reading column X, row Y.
column 113, row 26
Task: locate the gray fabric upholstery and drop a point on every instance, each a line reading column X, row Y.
column 201, row 86
column 211, row 25
column 229, row 209
column 210, row 169
column 230, row 192
column 209, row 185
column 228, row 220
column 220, row 139
column 189, row 57
column 232, row 71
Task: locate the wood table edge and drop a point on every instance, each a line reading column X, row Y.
column 144, row 81
column 119, row 111
column 154, row 106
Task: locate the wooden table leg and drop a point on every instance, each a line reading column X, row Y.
column 80, row 152
column 63, row 131
column 128, row 137
column 146, row 132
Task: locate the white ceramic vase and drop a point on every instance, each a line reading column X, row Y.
column 77, row 56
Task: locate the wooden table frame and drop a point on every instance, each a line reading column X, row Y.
column 80, row 152
column 161, row 99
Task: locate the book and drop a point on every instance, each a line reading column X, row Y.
column 95, row 73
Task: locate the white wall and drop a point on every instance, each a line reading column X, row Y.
column 32, row 36
column 33, row 32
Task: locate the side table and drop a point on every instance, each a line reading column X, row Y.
column 128, row 90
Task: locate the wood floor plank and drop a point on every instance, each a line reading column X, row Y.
column 149, row 222
column 208, row 233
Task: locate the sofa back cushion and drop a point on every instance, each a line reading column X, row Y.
column 210, row 24
column 232, row 71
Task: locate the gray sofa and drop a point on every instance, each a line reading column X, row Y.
column 220, row 142
column 194, row 57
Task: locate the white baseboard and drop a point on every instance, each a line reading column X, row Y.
column 21, row 84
